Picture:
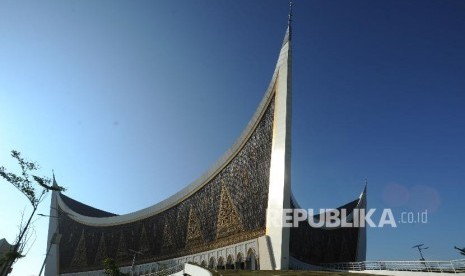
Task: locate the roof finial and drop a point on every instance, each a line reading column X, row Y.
column 54, row 181
column 287, row 38
column 364, row 193
column 290, row 12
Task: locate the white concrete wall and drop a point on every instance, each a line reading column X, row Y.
column 195, row 270
column 265, row 253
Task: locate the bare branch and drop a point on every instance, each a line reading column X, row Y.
column 23, row 183
column 45, row 183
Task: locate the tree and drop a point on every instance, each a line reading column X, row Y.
column 461, row 250
column 110, row 268
column 24, row 184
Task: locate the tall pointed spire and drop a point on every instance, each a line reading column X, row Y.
column 279, row 195
column 288, row 36
column 362, row 231
column 365, row 189
column 290, row 14
column 54, row 182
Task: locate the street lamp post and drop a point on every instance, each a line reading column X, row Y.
column 133, row 268
column 55, row 240
column 419, row 247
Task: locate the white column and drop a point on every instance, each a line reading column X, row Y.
column 280, row 169
column 52, row 259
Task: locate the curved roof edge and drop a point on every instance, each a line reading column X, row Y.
column 85, row 209
column 197, row 184
column 359, row 203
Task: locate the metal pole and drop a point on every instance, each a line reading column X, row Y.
column 133, row 267
column 45, row 260
column 9, row 263
column 422, row 258
column 133, row 263
column 54, row 240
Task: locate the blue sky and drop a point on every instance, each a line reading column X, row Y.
column 131, row 101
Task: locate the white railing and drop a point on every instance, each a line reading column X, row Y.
column 164, row 272
column 454, row 266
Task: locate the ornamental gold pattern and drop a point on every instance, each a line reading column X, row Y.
column 80, row 254
column 101, row 250
column 121, row 249
column 194, row 233
column 229, row 208
column 229, row 221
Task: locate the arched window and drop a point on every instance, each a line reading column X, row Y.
column 251, row 261
column 221, row 263
column 240, row 262
column 230, row 262
column 212, row 263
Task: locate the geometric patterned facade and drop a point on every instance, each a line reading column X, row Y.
column 228, row 208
